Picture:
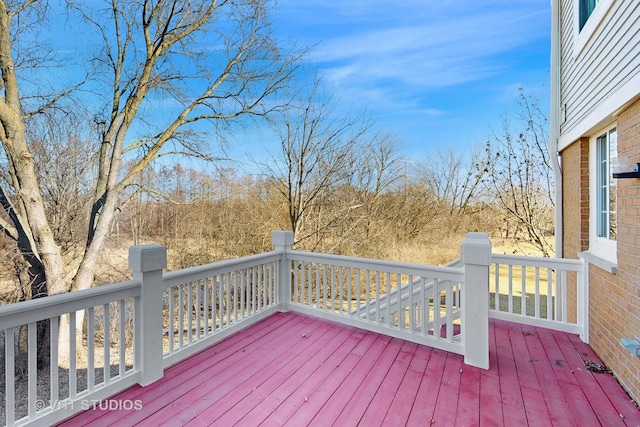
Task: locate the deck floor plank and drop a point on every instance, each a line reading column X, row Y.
column 533, row 398
column 426, row 399
column 282, row 384
column 185, row 374
column 561, row 367
column 490, row 403
column 227, row 369
column 604, row 410
column 557, row 406
column 381, row 403
column 404, row 400
column 338, row 400
column 447, row 403
column 360, row 401
column 468, row 413
column 305, row 385
column 293, row 369
column 510, row 386
column 330, row 389
column 247, row 371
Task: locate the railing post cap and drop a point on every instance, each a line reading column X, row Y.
column 282, row 238
column 144, row 258
column 476, row 235
column 476, row 249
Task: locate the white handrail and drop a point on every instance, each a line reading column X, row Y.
column 24, row 312
column 191, row 274
column 25, row 316
column 534, row 261
column 446, row 273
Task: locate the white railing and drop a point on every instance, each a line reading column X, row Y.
column 547, row 292
column 74, row 383
column 410, row 301
column 209, row 302
column 130, row 332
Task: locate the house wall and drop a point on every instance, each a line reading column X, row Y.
column 625, row 291
column 601, row 73
column 614, row 299
column 575, row 178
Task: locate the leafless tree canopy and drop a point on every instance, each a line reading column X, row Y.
column 169, row 77
column 318, row 152
column 519, row 174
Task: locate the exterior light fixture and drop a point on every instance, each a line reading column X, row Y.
column 622, row 170
column 632, row 345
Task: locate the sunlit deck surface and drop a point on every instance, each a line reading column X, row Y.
column 296, row 370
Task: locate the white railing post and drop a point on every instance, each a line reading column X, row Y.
column 282, row 242
column 476, row 256
column 147, row 262
column 582, row 303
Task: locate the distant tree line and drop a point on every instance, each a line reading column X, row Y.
column 360, row 197
column 372, row 203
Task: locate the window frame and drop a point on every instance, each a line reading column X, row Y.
column 601, row 246
column 582, row 9
column 584, row 34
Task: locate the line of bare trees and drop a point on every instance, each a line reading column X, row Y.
column 345, row 189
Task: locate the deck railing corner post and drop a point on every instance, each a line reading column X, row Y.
column 476, row 256
column 282, row 242
column 147, row 263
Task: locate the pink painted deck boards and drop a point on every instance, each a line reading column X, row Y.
column 383, row 401
column 528, row 379
column 404, row 399
column 362, row 397
column 428, row 392
column 490, row 403
column 280, row 385
column 296, row 370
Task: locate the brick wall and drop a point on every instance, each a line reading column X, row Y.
column 614, row 300
column 575, row 205
column 575, row 181
column 622, row 292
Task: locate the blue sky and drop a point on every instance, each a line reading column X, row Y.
column 436, row 73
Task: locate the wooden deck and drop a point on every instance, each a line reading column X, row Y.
column 297, row 370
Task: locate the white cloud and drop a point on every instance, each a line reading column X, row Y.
column 425, row 59
column 433, row 54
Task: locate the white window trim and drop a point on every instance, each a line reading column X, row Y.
column 599, row 247
column 582, row 37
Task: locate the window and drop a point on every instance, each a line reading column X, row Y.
column 603, row 200
column 586, row 8
column 606, row 195
column 588, row 16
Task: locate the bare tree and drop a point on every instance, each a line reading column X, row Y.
column 62, row 144
column 378, row 175
column 318, row 152
column 211, row 62
column 519, row 176
column 455, row 181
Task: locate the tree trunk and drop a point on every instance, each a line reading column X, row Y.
column 64, row 339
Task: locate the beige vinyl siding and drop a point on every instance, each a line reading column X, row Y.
column 610, row 59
